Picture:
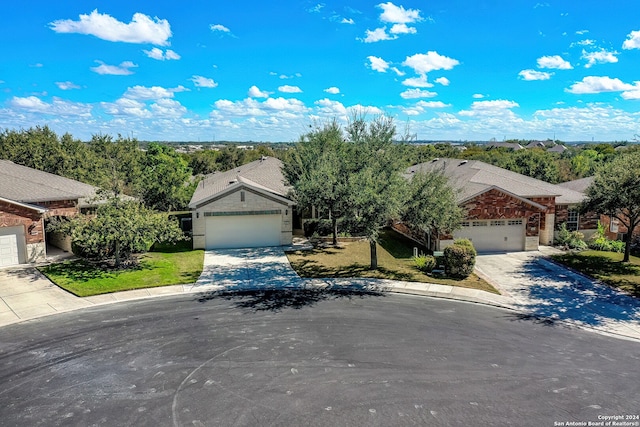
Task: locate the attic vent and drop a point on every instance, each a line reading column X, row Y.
column 463, row 162
column 233, row 181
column 435, row 160
column 263, row 158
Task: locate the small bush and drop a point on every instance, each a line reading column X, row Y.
column 459, row 260
column 425, row 263
column 570, row 239
column 466, row 243
column 599, row 241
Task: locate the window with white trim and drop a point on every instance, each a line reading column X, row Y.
column 497, row 222
column 514, row 222
column 573, row 220
column 464, row 224
column 479, row 223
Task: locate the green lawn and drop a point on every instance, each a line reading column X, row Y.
column 606, row 267
column 394, row 262
column 167, row 266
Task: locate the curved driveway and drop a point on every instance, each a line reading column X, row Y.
column 309, row 358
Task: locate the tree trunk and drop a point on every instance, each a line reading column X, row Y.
column 334, row 223
column 374, row 255
column 627, row 248
column 117, row 254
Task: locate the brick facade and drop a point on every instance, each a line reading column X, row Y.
column 12, row 215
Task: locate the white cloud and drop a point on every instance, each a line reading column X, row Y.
column 347, row 21
column 377, row 35
column 289, row 89
column 58, row 107
column 168, row 108
column 219, row 27
column 317, row 8
column 585, row 42
column 254, row 92
column 417, row 82
column 477, row 96
column 153, row 92
column 141, row 29
column 127, row 107
column 284, row 76
column 67, row 85
column 328, row 107
column 378, row 64
column 417, row 93
column 601, row 56
column 398, row 15
column 490, row 108
column 402, row 29
column 423, row 63
column 200, row 81
column 158, row 54
column 581, row 32
column 432, row 104
column 596, row 84
column 632, row 41
column 332, row 90
column 398, row 72
column 554, row 62
column 443, row 81
column 530, row 75
column 281, row 107
column 116, row 70
column 632, row 94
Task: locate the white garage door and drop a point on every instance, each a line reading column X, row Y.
column 11, row 239
column 243, row 231
column 494, row 235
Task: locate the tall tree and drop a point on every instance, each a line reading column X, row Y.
column 119, row 163
column 615, row 191
column 316, row 168
column 431, row 204
column 165, row 179
column 377, row 186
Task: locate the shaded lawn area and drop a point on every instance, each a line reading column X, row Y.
column 352, row 259
column 606, row 267
column 171, row 266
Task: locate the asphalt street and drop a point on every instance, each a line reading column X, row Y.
column 308, row 357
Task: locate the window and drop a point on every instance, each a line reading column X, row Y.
column 464, row 224
column 479, row 223
column 514, row 222
column 573, row 219
column 497, row 222
column 242, row 196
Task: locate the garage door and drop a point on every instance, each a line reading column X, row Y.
column 243, row 231
column 11, row 244
column 494, row 235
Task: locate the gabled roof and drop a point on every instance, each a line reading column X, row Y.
column 35, row 208
column 471, row 177
column 579, row 185
column 264, row 174
column 511, row 145
column 558, row 148
column 28, row 185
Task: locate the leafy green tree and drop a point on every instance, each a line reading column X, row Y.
column 118, row 230
column 378, row 188
column 616, row 191
column 431, row 204
column 118, row 165
column 203, row 162
column 317, row 169
column 165, row 179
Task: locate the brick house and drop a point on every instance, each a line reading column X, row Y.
column 247, row 206
column 29, row 198
column 506, row 211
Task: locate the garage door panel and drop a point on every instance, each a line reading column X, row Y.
column 243, row 231
column 494, row 235
column 10, row 245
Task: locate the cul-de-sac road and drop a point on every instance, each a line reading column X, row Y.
column 309, row 357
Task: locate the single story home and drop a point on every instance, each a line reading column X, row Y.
column 29, row 198
column 248, row 206
column 506, row 211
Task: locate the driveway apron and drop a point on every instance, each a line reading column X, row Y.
column 250, row 268
column 546, row 290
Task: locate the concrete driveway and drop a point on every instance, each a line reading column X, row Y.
column 546, row 290
column 26, row 294
column 250, row 268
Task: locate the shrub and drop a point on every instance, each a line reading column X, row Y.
column 459, row 260
column 570, row 239
column 599, row 241
column 425, row 263
column 466, row 243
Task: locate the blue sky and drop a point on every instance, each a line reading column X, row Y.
column 266, row 71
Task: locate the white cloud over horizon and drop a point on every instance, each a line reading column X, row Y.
column 124, row 69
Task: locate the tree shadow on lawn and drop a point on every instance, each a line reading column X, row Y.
column 82, row 271
column 312, row 269
column 276, row 300
column 559, row 294
column 399, row 246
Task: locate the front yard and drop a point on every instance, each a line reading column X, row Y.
column 606, row 267
column 352, row 259
column 167, row 266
